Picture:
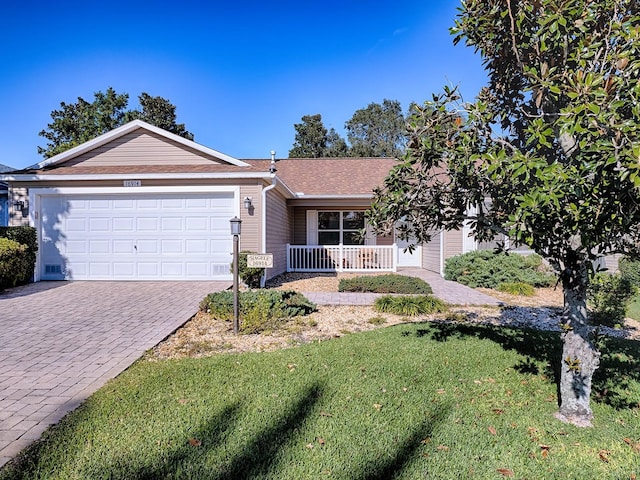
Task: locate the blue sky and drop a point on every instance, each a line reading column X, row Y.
column 240, row 73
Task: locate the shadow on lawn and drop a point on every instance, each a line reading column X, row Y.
column 613, row 382
column 256, row 458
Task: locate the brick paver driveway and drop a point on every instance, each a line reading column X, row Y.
column 61, row 341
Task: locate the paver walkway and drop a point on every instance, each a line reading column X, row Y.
column 451, row 292
column 61, row 341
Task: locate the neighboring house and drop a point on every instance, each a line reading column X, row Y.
column 140, row 203
column 4, row 197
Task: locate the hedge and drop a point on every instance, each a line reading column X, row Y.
column 26, row 236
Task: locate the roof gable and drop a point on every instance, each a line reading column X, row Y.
column 139, row 143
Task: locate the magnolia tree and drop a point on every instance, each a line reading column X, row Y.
column 548, row 155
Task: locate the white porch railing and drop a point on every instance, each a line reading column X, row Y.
column 341, row 258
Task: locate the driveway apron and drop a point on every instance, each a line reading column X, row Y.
column 61, row 341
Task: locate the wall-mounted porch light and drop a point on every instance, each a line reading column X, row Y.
column 248, row 203
column 19, row 205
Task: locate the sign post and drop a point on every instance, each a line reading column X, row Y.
column 235, row 231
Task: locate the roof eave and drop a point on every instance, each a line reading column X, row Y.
column 137, row 176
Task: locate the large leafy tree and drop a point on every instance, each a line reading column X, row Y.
column 313, row 140
column 76, row 123
column 548, row 155
column 160, row 112
column 377, row 130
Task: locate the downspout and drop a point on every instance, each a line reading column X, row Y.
column 274, row 182
column 442, row 252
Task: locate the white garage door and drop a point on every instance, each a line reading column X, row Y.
column 136, row 237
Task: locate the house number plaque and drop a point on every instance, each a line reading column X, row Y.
column 132, row 183
column 264, row 260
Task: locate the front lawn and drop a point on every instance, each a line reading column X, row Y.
column 436, row 401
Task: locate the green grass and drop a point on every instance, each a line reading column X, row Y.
column 416, row 401
column 633, row 308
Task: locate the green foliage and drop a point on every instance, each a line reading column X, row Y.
column 377, row 320
column 314, row 141
column 377, row 130
column 409, row 305
column 250, row 276
column 388, row 283
column 630, row 270
column 259, row 310
column 608, row 296
column 13, row 262
column 76, row 123
column 488, row 269
column 517, row 288
column 24, row 235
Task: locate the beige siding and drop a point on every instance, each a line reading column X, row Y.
column 17, row 218
column 431, row 254
column 278, row 231
column 384, row 240
column 142, row 148
column 610, row 262
column 251, row 219
column 299, row 226
column 453, row 242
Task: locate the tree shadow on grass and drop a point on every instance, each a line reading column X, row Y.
column 613, row 382
column 405, row 451
column 253, row 460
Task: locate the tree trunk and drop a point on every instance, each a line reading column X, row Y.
column 580, row 358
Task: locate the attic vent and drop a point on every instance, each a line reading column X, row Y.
column 51, row 269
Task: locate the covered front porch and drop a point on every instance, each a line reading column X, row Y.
column 349, row 258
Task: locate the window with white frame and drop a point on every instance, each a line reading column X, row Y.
column 340, row 227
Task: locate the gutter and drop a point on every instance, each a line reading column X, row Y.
column 274, row 182
column 129, row 176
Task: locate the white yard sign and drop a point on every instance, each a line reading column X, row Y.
column 264, row 260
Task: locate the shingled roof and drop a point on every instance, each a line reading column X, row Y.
column 333, row 176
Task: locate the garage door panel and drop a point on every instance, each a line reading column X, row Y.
column 98, row 247
column 147, row 224
column 99, row 224
column 123, row 246
column 147, row 204
column 172, row 236
column 171, row 224
column 97, row 269
column 172, row 246
column 99, row 204
column 124, row 270
column 122, row 224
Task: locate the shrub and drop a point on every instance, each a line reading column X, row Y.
column 608, row 295
column 26, row 236
column 377, row 320
column 488, row 269
column 14, row 261
column 259, row 310
column 389, row 283
column 250, row 276
column 517, row 288
column 410, row 305
column 630, row 270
